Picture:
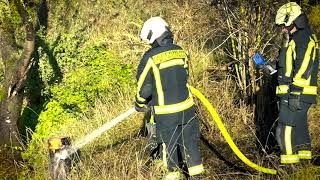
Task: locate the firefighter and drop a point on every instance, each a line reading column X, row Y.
column 297, row 83
column 162, row 86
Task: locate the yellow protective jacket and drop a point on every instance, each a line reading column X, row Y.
column 162, row 84
column 298, row 66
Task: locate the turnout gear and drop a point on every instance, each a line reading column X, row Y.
column 162, row 83
column 288, row 13
column 152, row 29
column 297, row 86
column 294, row 102
column 298, row 67
column 294, row 140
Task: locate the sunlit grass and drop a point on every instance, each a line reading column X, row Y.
column 121, row 153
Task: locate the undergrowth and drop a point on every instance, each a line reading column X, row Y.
column 88, row 69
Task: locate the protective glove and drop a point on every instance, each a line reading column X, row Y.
column 285, row 39
column 294, row 102
column 141, row 107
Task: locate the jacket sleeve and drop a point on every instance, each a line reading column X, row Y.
column 285, row 66
column 302, row 67
column 144, row 81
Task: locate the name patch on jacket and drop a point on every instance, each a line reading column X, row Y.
column 169, row 55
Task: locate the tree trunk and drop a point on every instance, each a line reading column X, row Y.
column 15, row 74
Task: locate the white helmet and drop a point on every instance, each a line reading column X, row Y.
column 152, row 29
column 288, row 13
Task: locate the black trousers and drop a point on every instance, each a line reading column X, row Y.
column 181, row 144
column 292, row 133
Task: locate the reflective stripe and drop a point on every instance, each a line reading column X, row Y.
column 316, row 46
column 139, row 98
column 304, row 154
column 289, row 159
column 156, row 74
column 164, row 155
column 173, row 108
column 173, row 175
column 295, row 93
column 143, row 77
column 171, row 63
column 312, row 90
column 196, row 170
column 306, row 59
column 140, row 105
column 186, row 63
column 315, row 40
column 151, row 119
column 301, row 82
column 169, row 55
column 282, row 89
column 287, row 139
column 289, row 54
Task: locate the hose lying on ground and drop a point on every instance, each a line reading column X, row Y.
column 226, row 135
column 90, row 137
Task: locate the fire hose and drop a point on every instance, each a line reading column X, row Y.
column 96, row 133
column 226, row 135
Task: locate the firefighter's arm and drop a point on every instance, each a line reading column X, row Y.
column 285, row 66
column 302, row 69
column 301, row 66
column 144, row 85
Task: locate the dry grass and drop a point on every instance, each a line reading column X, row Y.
column 120, row 153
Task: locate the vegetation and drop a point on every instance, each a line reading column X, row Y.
column 83, row 75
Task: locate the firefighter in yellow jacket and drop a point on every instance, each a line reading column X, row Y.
column 297, row 78
column 162, row 86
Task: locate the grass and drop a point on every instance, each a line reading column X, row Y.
column 122, row 153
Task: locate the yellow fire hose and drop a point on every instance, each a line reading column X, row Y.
column 226, row 135
column 88, row 138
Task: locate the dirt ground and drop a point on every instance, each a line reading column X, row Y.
column 9, row 168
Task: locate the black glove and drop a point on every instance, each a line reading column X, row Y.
column 141, row 106
column 294, row 102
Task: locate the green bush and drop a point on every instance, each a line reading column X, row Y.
column 95, row 73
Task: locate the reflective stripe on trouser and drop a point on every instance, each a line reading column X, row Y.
column 304, row 154
column 292, row 133
column 181, row 143
column 173, row 175
column 195, row 170
column 289, row 159
column 286, row 142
